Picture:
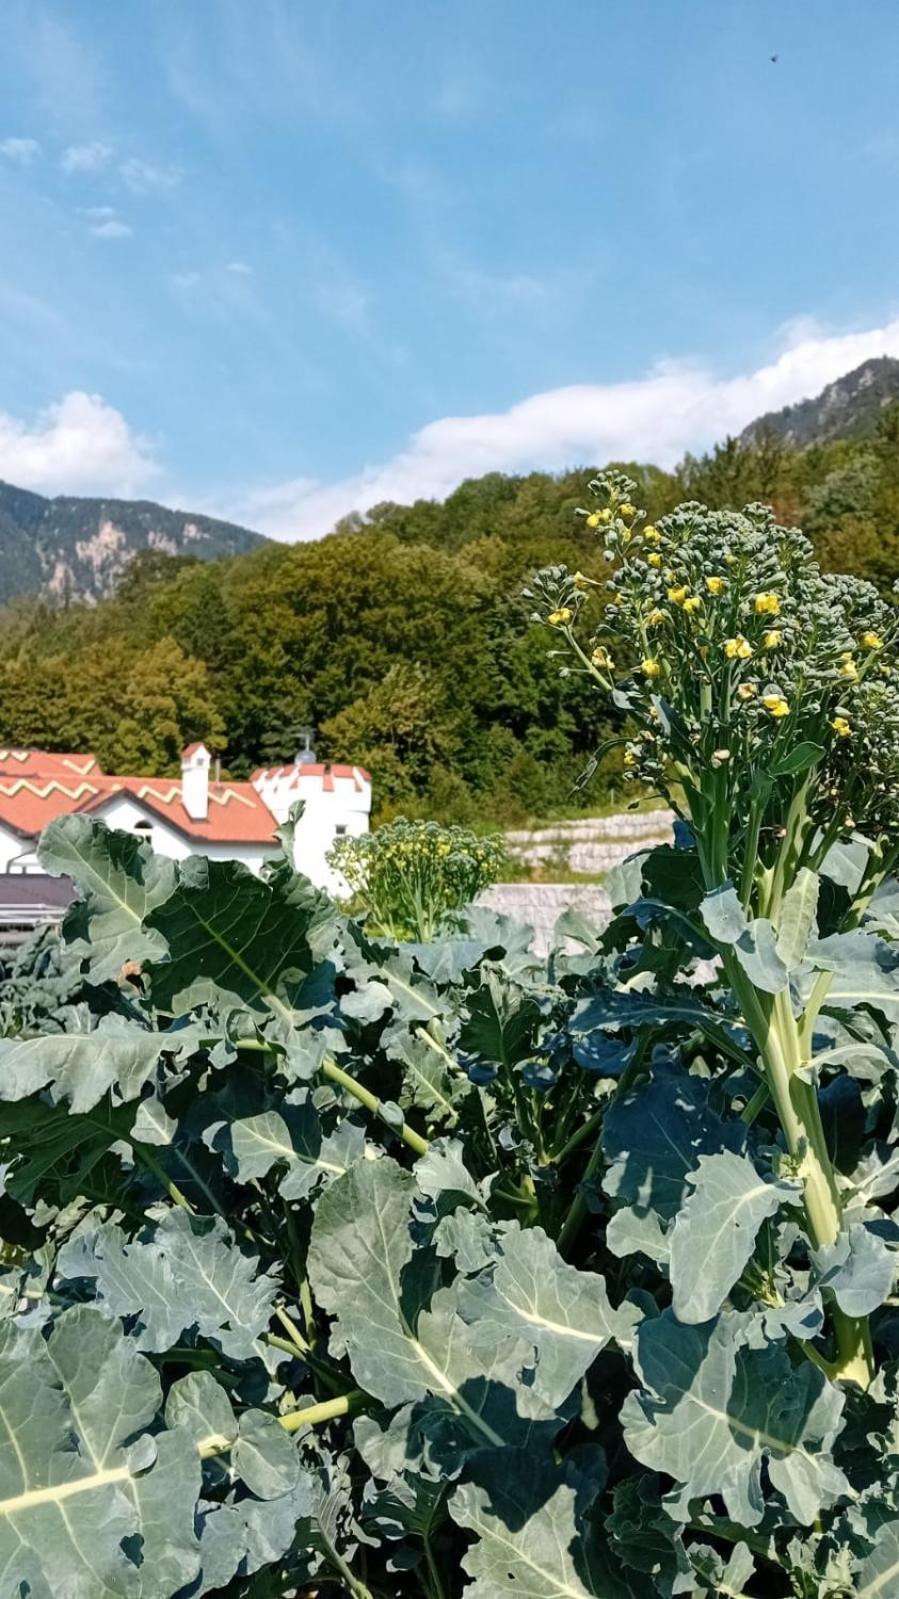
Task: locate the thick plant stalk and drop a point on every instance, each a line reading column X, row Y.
column 779, row 1039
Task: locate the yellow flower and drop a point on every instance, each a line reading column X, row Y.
column 775, row 705
column 772, row 638
column 593, row 519
column 654, row 558
column 656, row 616
column 848, row 667
column 601, row 657
column 841, row 726
column 649, row 667
column 582, row 582
column 677, row 595
column 692, row 604
column 746, row 691
column 767, row 604
column 559, row 618
column 627, row 510
column 738, row 649
column 871, row 641
column 652, row 535
column 715, row 585
column 630, row 758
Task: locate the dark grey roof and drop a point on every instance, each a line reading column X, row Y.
column 31, row 898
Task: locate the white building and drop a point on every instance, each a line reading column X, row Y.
column 197, row 815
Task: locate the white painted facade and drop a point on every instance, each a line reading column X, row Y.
column 337, row 800
column 336, row 803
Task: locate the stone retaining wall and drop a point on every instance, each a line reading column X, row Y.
column 539, row 905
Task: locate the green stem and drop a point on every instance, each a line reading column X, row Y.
column 571, row 1226
column 750, row 854
column 436, row 1581
column 579, row 1136
column 371, row 1102
column 142, row 1154
column 780, row 1043
column 757, row 1103
column 300, row 1346
column 292, row 1421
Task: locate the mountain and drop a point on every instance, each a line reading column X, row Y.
column 68, row 548
column 846, row 409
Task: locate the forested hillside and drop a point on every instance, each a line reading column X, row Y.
column 70, row 548
column 402, row 637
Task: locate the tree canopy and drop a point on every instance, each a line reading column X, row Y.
column 402, row 637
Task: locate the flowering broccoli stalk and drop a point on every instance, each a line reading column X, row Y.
column 762, row 699
column 411, row 879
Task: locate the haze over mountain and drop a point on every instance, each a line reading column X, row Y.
column 77, row 549
column 68, row 548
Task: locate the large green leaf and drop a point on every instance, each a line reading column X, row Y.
column 715, row 1230
column 796, row 918
column 234, row 938
column 292, row 1139
column 563, row 1313
column 362, row 1272
column 753, row 942
column 859, row 1270
column 716, row 1410
column 80, row 1067
column 189, row 1273
column 500, row 1023
column 878, row 1576
column 79, row 1508
column 121, row 880
column 537, row 1525
column 653, row 1138
column 865, row 972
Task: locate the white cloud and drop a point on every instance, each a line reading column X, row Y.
column 80, row 445
column 22, row 151
column 240, row 268
column 86, row 157
column 111, row 228
column 146, row 177
column 677, row 406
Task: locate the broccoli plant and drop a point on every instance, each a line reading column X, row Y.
column 411, row 880
column 337, row 1264
column 764, row 703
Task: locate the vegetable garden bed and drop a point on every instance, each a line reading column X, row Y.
column 422, row 1270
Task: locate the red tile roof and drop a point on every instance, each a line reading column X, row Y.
column 36, row 787
column 43, row 763
column 296, row 774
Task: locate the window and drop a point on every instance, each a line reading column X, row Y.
column 340, row 830
column 143, row 827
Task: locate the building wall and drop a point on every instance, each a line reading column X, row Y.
column 342, row 809
column 124, row 812
column 16, row 853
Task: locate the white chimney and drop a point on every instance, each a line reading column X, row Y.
column 195, row 781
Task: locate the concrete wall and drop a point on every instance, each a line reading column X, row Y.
column 539, row 905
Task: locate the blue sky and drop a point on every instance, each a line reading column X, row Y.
column 276, row 258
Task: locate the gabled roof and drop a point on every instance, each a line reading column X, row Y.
column 37, row 786
column 44, row 763
column 237, row 814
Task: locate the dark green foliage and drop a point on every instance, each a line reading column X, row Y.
column 424, row 1271
column 401, row 638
